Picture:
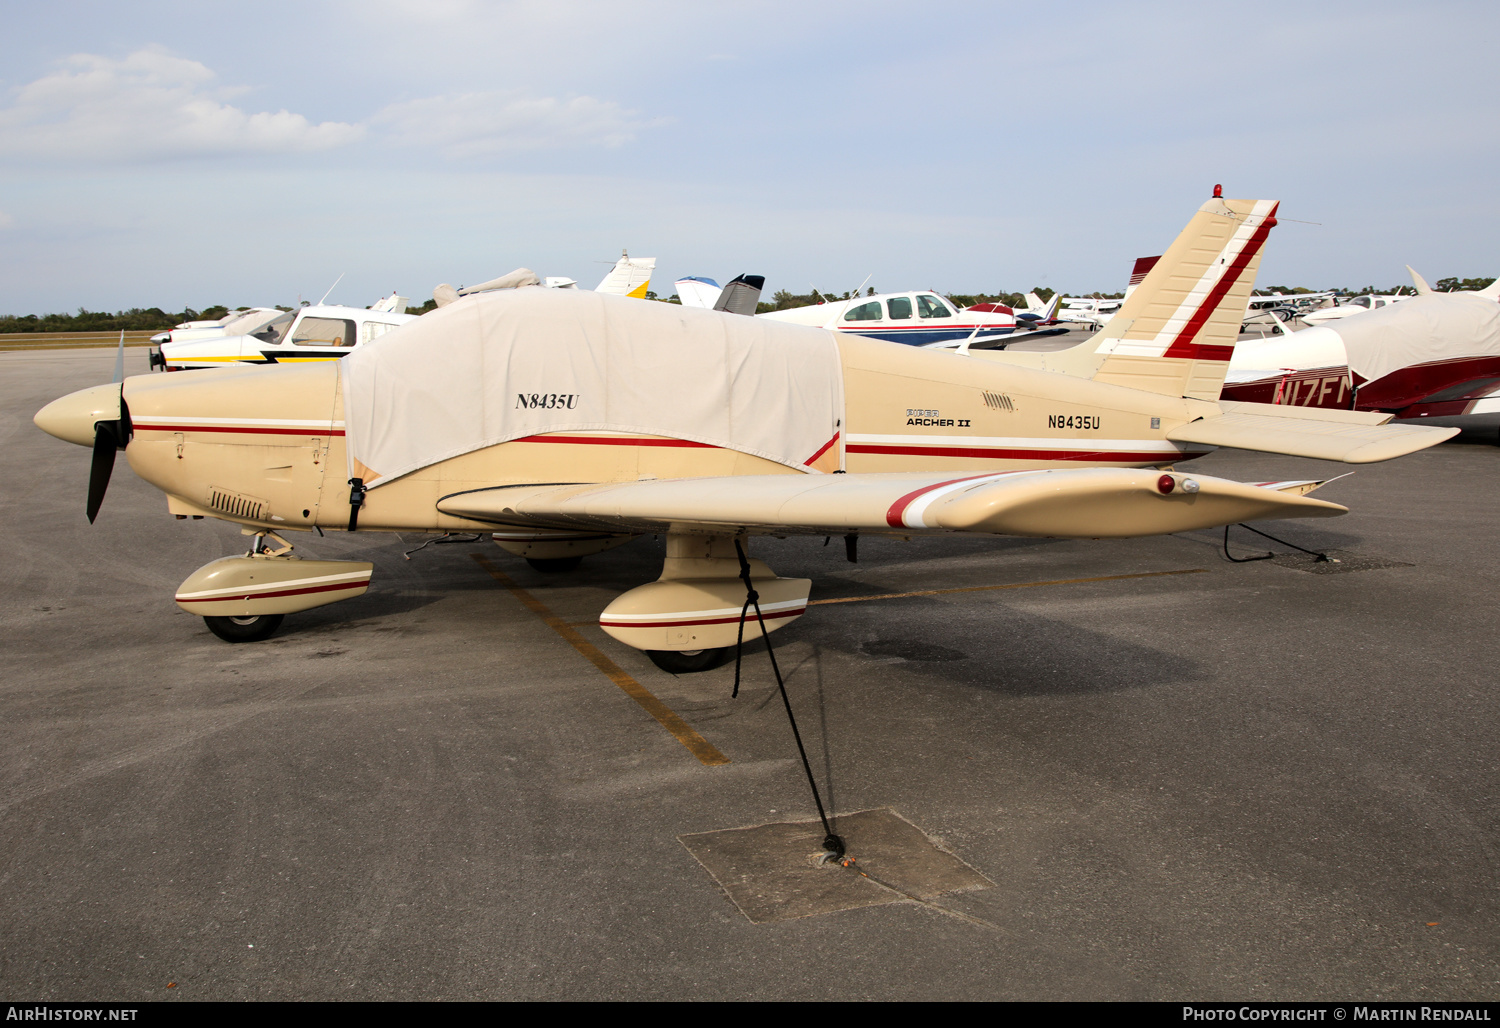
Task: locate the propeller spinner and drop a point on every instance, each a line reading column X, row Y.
column 96, row 417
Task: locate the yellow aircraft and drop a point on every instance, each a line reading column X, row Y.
column 567, row 422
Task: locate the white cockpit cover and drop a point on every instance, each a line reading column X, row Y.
column 509, row 364
column 1421, row 330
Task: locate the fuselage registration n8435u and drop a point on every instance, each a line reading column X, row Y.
column 709, row 429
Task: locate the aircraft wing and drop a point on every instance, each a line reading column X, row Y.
column 1075, row 503
column 1355, row 437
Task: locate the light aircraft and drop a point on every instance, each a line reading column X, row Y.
column 1489, row 292
column 631, row 276
column 1034, row 311
column 921, row 318
column 1433, row 358
column 319, row 332
column 234, row 323
column 1350, row 307
column 571, row 421
column 740, row 296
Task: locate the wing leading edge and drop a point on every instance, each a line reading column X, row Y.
column 1073, row 503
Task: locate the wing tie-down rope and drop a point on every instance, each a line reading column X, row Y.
column 1322, row 557
column 831, row 842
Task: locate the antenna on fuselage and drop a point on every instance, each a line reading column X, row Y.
column 332, row 288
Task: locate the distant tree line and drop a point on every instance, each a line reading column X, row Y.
column 154, row 319
column 134, row 320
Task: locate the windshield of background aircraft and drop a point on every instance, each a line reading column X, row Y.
column 932, row 307
column 1360, row 301
column 275, row 329
column 249, row 322
column 900, row 307
column 864, row 312
column 324, row 332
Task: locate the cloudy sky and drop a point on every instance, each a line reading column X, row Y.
column 183, row 154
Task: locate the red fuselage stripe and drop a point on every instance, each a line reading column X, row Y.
column 140, row 426
column 822, row 449
column 1183, row 345
column 241, row 597
column 1108, row 456
column 749, row 618
column 610, row 440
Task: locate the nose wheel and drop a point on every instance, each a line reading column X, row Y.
column 688, row 662
column 250, row 628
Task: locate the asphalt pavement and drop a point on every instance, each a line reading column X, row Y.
column 1186, row 778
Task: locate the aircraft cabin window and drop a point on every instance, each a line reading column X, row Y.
column 324, row 332
column 900, row 307
column 864, row 312
column 932, row 307
column 1360, row 301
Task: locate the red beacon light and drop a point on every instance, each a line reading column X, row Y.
column 1218, row 192
column 1165, row 484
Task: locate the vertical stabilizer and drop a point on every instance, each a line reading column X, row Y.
column 1138, row 273
column 1491, row 291
column 630, row 276
column 741, row 295
column 1177, row 330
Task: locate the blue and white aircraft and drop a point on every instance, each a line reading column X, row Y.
column 921, row 318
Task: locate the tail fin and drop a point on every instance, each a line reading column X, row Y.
column 741, row 295
column 1138, row 273
column 1491, row 291
column 629, row 277
column 1177, row 330
column 1034, row 303
column 1421, row 283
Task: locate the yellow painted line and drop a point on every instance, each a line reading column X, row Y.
column 1013, row 585
column 698, row 746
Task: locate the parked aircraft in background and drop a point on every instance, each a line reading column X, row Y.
column 921, row 318
column 1433, row 358
column 233, row 323
column 315, row 333
column 1489, row 292
column 1350, row 307
column 1035, row 311
column 631, row 276
column 668, row 420
column 740, row 296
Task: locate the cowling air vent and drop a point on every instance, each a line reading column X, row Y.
column 237, row 504
column 998, row 401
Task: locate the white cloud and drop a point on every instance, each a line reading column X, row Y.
column 151, row 105
column 505, row 121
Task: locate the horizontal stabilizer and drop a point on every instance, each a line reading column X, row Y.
column 1354, row 437
column 1072, row 503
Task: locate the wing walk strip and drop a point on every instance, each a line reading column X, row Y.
column 698, row 746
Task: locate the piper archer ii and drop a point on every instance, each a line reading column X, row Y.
column 572, row 421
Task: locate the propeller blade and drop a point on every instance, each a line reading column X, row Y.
column 105, row 445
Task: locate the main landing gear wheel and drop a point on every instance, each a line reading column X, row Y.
column 687, row 662
column 554, row 565
column 251, row 628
